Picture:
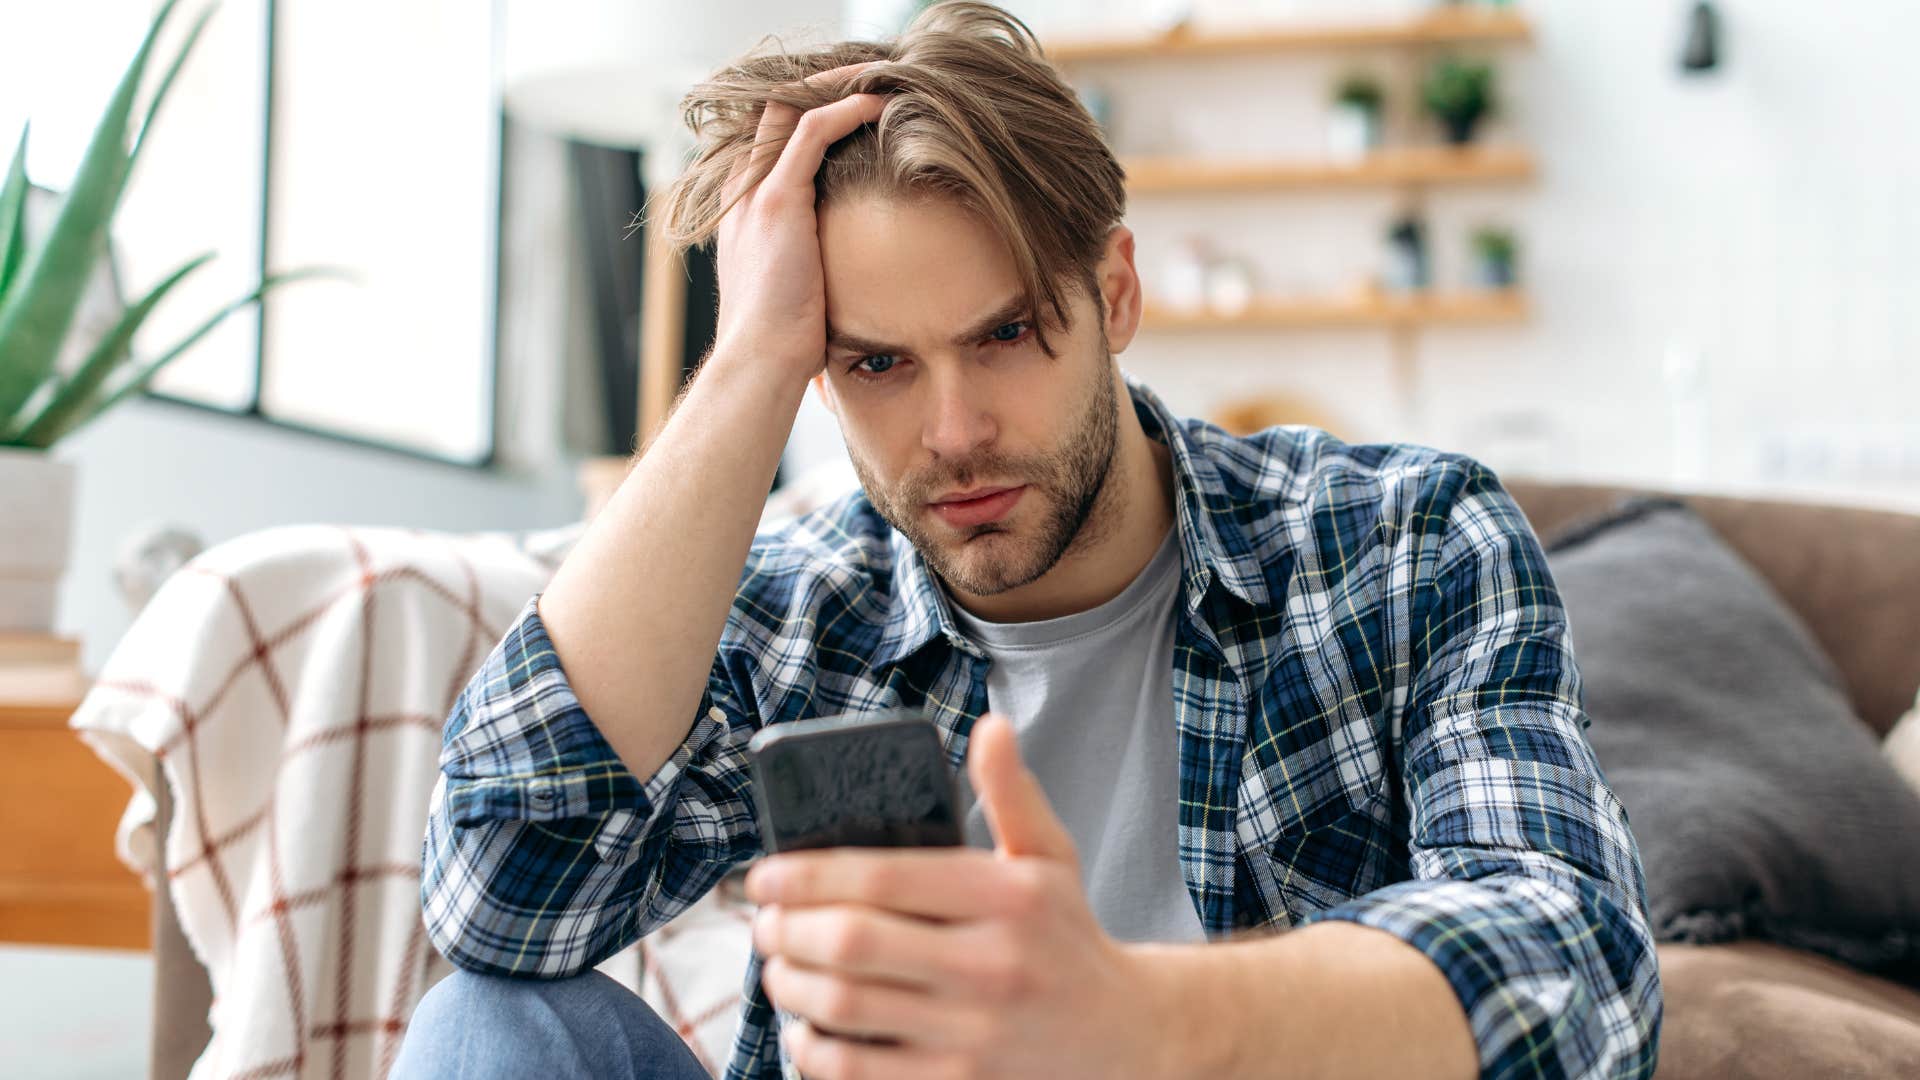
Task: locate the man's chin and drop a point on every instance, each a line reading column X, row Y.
column 985, row 563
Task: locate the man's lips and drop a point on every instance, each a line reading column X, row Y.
column 977, row 507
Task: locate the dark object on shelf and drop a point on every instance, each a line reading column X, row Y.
column 1407, row 256
column 1702, row 51
column 1494, row 253
column 1459, row 93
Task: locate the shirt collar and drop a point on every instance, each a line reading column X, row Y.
column 1213, row 543
column 1213, row 546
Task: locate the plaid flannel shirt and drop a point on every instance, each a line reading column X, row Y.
column 1379, row 721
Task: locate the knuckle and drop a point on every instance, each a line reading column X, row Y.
column 847, row 941
column 879, row 879
column 986, row 1031
column 841, row 1002
column 770, row 200
column 1026, row 894
column 999, row 972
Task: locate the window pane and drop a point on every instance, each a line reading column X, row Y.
column 385, row 164
column 197, row 188
column 58, row 67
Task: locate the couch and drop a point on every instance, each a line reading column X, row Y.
column 1749, row 1009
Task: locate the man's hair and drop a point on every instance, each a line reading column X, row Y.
column 974, row 113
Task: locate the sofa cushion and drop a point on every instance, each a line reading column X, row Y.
column 1756, row 1010
column 1761, row 803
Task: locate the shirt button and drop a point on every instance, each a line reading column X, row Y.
column 543, row 793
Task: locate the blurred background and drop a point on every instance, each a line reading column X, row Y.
column 1660, row 242
column 1639, row 270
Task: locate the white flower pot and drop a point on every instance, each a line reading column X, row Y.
column 1353, row 132
column 36, row 528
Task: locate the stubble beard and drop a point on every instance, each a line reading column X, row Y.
column 1069, row 487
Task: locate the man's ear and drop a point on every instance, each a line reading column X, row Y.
column 825, row 390
column 1120, row 287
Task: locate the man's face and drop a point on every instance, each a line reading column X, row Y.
column 989, row 455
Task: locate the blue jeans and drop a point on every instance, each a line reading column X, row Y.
column 474, row 1027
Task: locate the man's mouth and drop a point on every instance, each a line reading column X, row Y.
column 977, row 507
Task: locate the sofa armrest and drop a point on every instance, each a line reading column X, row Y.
column 181, row 992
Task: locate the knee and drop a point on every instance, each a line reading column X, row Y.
column 473, row 1025
column 476, row 1026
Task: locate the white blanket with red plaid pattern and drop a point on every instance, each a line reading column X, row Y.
column 292, row 685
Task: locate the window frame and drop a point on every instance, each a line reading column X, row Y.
column 489, row 459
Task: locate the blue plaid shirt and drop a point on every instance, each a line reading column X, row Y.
column 1379, row 721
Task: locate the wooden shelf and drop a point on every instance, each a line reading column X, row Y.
column 1303, row 313
column 1441, row 27
column 1410, row 165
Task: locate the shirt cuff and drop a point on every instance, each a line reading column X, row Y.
column 527, row 751
column 1517, row 989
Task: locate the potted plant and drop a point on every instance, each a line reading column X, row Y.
column 1493, row 257
column 1459, row 93
column 57, row 373
column 1354, row 125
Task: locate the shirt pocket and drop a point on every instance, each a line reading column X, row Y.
column 1316, row 816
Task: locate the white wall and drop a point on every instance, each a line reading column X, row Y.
column 1764, row 221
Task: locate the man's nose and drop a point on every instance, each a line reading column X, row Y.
column 958, row 421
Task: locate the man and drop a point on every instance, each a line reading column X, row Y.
column 1269, row 684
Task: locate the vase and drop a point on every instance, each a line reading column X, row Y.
column 1494, row 273
column 1353, row 132
column 1460, row 127
column 36, row 529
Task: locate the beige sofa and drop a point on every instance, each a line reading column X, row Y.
column 1746, row 1010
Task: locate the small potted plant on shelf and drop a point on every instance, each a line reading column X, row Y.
column 1493, row 258
column 1459, row 93
column 1354, row 125
column 62, row 366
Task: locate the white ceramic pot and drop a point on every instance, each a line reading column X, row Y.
column 36, row 527
column 1353, row 132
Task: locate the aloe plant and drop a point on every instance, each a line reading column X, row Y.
column 41, row 282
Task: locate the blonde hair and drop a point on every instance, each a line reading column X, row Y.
column 974, row 113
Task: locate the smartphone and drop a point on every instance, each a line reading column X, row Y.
column 856, row 780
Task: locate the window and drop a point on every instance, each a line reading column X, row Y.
column 348, row 134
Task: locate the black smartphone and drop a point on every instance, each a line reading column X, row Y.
column 857, row 780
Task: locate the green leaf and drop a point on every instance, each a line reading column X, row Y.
column 38, row 309
column 138, row 381
column 107, row 356
column 13, row 211
column 166, row 82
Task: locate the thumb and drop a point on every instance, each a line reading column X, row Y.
column 1022, row 820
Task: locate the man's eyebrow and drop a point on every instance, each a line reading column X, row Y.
column 1002, row 315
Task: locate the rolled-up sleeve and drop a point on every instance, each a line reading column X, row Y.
column 544, row 854
column 1527, row 888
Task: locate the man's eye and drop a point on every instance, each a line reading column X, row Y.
column 1009, row 333
column 876, row 365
